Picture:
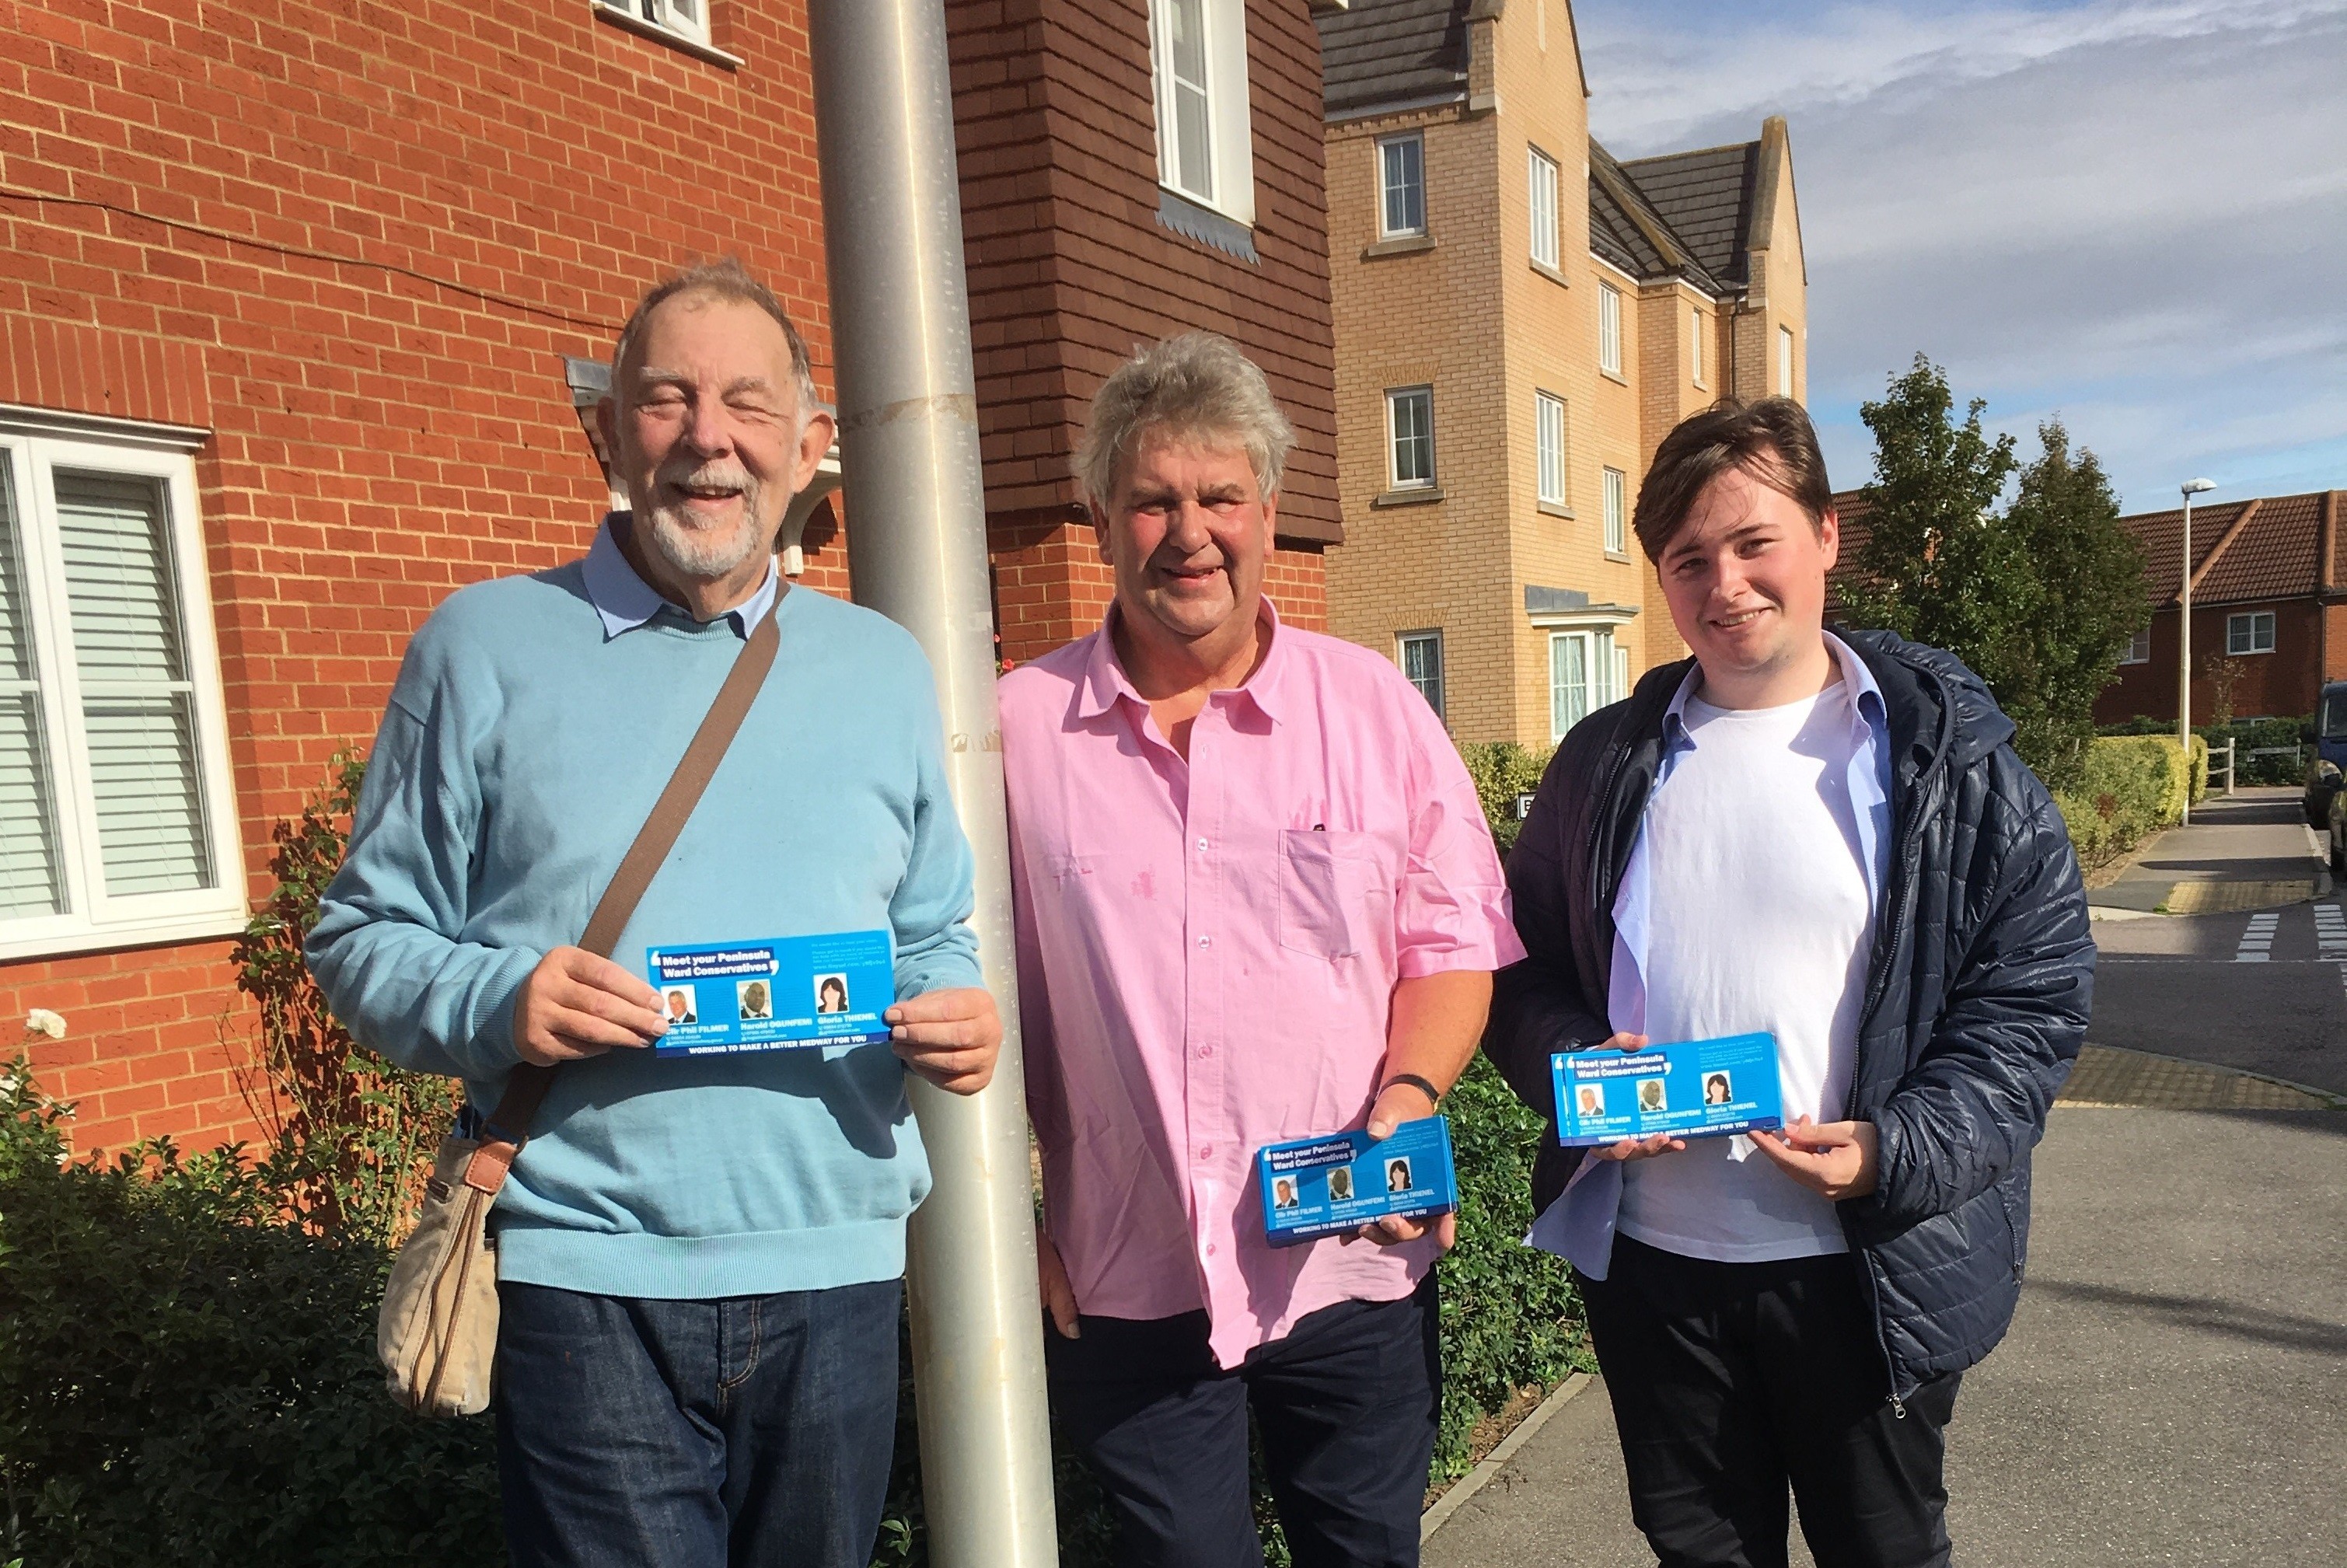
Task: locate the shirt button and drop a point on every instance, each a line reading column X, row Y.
column 1205, row 941
column 1206, row 1151
column 1202, row 846
column 1205, row 1051
column 1210, row 1249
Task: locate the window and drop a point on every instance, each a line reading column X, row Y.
column 2251, row 634
column 1197, row 51
column 1609, row 329
column 115, row 819
column 1402, row 180
column 1695, row 345
column 1544, row 209
column 1617, row 510
column 685, row 19
column 1785, row 362
column 1586, row 672
column 1548, row 443
column 1421, row 664
column 1409, row 430
column 2138, row 648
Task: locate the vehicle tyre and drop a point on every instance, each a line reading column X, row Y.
column 2338, row 854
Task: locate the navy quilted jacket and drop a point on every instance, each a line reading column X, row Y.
column 1977, row 992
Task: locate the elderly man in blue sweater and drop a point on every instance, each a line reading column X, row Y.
column 699, row 1257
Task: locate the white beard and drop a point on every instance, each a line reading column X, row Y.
column 699, row 551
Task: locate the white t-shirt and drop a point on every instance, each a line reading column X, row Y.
column 1759, row 918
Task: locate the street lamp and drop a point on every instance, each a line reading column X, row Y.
column 2184, row 644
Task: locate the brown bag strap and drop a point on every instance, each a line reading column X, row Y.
column 508, row 1124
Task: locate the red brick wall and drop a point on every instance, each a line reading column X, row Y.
column 1069, row 271
column 2283, row 683
column 354, row 239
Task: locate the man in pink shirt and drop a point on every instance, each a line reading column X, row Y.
column 1256, row 900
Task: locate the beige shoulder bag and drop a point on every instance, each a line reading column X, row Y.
column 437, row 1334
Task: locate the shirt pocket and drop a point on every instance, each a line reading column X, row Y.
column 1328, row 883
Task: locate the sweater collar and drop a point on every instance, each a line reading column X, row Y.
column 625, row 600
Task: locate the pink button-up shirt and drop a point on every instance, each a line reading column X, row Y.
column 1207, row 954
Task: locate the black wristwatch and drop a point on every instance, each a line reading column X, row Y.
column 1433, row 1096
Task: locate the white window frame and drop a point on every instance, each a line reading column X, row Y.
column 1548, row 431
column 1227, row 184
column 1605, row 676
column 90, row 918
column 1387, row 145
column 1395, row 397
column 1618, row 512
column 2138, row 648
column 1431, row 639
column 1784, row 361
column 1609, row 329
column 1695, row 345
column 1541, row 175
column 688, row 19
column 2251, row 631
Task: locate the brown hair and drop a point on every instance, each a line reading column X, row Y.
column 1772, row 440
column 726, row 279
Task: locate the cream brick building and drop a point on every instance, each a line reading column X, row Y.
column 1519, row 321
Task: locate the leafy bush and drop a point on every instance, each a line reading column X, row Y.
column 2129, row 786
column 188, row 1376
column 1503, row 770
column 2248, row 735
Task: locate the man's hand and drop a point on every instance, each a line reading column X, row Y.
column 575, row 1005
column 1403, row 1102
column 1635, row 1148
column 1394, row 1229
column 1058, row 1295
column 950, row 1038
column 1837, row 1159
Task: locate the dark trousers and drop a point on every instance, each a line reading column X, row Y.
column 1732, row 1381
column 637, row 1433
column 1347, row 1404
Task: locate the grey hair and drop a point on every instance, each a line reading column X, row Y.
column 728, row 279
column 1196, row 384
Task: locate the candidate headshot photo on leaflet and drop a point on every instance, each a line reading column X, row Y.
column 831, row 994
column 1340, row 1185
column 1592, row 1099
column 1715, row 1090
column 757, row 1000
column 1397, row 1175
column 1650, row 1094
column 679, row 1004
column 1282, row 1192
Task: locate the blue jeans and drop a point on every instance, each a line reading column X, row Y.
column 637, row 1433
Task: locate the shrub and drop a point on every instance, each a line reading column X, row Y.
column 2129, row 786
column 1503, row 770
column 188, row 1376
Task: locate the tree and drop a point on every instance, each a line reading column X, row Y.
column 2040, row 599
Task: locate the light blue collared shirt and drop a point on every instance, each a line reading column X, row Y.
column 625, row 600
column 1579, row 1226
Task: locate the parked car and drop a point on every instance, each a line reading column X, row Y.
column 2328, row 735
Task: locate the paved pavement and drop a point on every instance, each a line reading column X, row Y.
column 2174, row 1389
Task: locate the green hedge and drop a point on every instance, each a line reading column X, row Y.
column 2248, row 735
column 2130, row 786
column 1503, row 770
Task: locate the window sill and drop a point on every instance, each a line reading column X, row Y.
column 1621, row 557
column 1415, row 496
column 1615, row 376
column 1192, row 220
column 63, row 936
column 1551, row 273
column 629, row 22
column 1399, row 245
column 1551, row 509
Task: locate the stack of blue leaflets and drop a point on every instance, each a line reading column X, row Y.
column 1692, row 1089
column 1315, row 1187
column 774, row 994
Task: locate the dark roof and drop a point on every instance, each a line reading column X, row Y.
column 1628, row 229
column 1706, row 198
column 1392, row 51
column 2276, row 554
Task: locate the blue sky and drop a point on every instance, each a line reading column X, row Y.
column 2132, row 213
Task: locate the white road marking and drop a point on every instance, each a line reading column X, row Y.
column 2257, row 941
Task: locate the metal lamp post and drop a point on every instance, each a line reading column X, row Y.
column 2184, row 643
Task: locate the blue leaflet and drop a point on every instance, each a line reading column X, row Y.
column 1313, row 1187
column 774, row 993
column 1692, row 1089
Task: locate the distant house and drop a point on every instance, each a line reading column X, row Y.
column 2269, row 592
column 1519, row 319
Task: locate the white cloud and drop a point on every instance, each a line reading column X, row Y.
column 2134, row 214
